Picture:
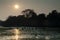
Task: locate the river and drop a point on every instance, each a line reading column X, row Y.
column 28, row 33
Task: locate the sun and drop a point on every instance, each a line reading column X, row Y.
column 16, row 6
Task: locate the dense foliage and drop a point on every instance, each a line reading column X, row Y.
column 31, row 19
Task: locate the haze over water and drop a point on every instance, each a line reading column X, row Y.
column 28, row 33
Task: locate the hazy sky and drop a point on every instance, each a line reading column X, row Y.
column 40, row 6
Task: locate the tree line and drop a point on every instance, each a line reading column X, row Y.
column 31, row 19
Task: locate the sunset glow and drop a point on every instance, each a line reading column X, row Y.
column 16, row 6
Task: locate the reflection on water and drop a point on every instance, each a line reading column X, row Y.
column 16, row 34
column 28, row 33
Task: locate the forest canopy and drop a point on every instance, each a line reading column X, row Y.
column 31, row 19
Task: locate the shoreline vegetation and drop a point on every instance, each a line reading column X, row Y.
column 31, row 19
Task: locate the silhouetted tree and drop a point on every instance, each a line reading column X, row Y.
column 31, row 19
column 11, row 21
column 1, row 22
column 41, row 19
column 29, row 13
column 53, row 18
column 30, row 16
